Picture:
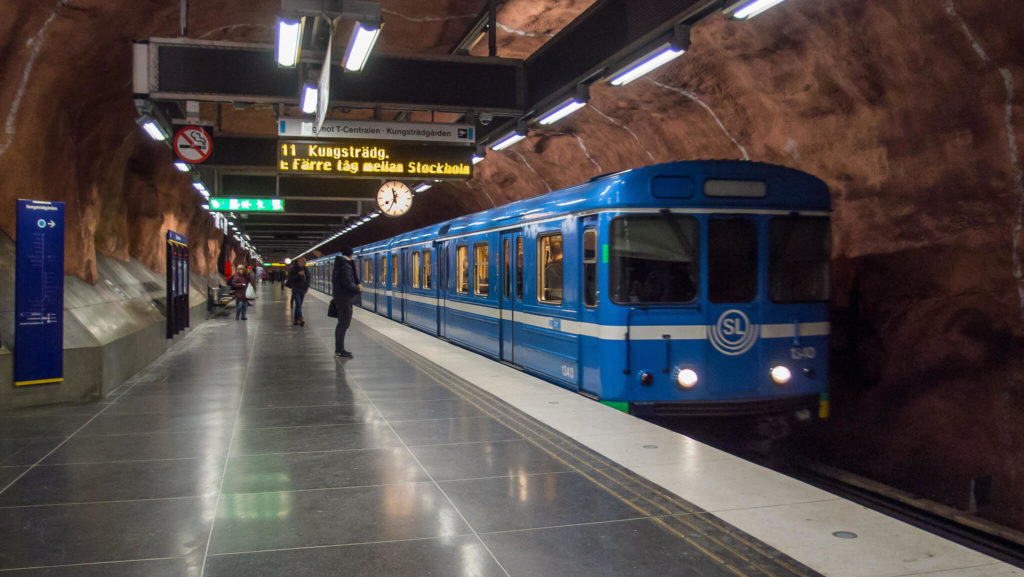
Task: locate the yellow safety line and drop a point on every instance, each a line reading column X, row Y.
column 39, row 382
column 486, row 405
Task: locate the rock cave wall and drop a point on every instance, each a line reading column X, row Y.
column 910, row 110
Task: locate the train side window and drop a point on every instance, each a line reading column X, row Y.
column 416, row 269
column 426, row 269
column 481, row 280
column 519, row 268
column 462, row 269
column 590, row 267
column 732, row 260
column 653, row 259
column 394, row 269
column 798, row 268
column 549, row 266
column 507, row 258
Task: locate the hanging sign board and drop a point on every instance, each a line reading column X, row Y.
column 247, row 204
column 193, row 144
column 39, row 294
column 372, row 130
column 355, row 159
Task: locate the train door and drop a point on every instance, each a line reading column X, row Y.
column 511, row 283
column 403, row 280
column 589, row 378
column 733, row 315
column 439, row 285
column 379, row 302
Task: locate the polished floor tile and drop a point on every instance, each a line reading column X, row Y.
column 84, row 483
column 274, row 399
column 281, row 520
column 461, row 556
column 180, row 567
column 8, row 474
column 295, row 471
column 307, row 416
column 424, row 410
column 26, row 450
column 531, row 501
column 94, row 532
column 486, row 459
column 638, row 548
column 140, row 447
column 115, row 424
column 372, row 435
column 444, row 431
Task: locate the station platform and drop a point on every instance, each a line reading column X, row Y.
column 248, row 449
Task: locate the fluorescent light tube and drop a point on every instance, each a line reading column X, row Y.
column 477, row 159
column 181, row 166
column 508, row 141
column 153, row 130
column 562, row 110
column 289, row 41
column 751, row 9
column 359, row 47
column 422, row 187
column 663, row 54
column 310, row 95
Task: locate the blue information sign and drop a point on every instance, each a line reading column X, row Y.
column 39, row 294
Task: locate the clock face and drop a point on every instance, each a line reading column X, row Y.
column 394, row 198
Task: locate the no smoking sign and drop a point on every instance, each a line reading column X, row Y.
column 193, row 144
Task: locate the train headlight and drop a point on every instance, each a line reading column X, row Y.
column 781, row 375
column 646, row 378
column 686, row 378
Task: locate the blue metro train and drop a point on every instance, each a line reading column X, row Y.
column 676, row 289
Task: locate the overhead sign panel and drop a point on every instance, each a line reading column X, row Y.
column 371, row 159
column 247, row 204
column 373, row 130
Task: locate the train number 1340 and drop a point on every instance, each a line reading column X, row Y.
column 799, row 353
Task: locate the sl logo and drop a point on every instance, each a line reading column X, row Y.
column 733, row 334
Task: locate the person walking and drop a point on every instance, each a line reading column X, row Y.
column 299, row 281
column 239, row 282
column 346, row 289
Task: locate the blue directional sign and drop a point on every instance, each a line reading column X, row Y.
column 39, row 294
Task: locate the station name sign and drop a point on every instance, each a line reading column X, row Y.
column 434, row 132
column 373, row 159
column 247, row 204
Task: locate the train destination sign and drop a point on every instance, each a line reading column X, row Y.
column 368, row 159
column 247, row 204
column 434, row 132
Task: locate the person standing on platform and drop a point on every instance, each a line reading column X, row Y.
column 346, row 289
column 239, row 282
column 261, row 275
column 299, row 281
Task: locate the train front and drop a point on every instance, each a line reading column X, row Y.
column 719, row 293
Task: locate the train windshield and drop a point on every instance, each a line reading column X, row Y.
column 654, row 259
column 799, row 267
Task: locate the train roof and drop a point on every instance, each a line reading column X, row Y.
column 786, row 189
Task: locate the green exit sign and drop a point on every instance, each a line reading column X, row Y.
column 247, row 204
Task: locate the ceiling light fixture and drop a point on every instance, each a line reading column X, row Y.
column 310, row 95
column 567, row 106
column 660, row 55
column 181, row 166
column 422, row 187
column 289, row 40
column 364, row 36
column 152, row 128
column 745, row 10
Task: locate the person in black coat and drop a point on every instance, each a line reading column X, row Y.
column 346, row 288
column 298, row 281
